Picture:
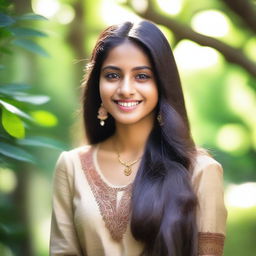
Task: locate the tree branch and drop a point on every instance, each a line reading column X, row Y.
column 245, row 10
column 231, row 54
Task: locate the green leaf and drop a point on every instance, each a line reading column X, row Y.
column 32, row 99
column 13, row 124
column 44, row 118
column 31, row 16
column 24, row 97
column 11, row 88
column 27, row 32
column 15, row 110
column 6, row 20
column 30, row 46
column 2, row 67
column 40, row 141
column 15, row 153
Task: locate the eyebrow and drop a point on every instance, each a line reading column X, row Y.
column 119, row 69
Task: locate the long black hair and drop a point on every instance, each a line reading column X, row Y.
column 163, row 202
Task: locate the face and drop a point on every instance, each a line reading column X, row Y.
column 128, row 87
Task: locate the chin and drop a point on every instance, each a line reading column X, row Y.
column 126, row 122
column 133, row 121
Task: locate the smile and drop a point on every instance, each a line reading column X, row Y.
column 127, row 105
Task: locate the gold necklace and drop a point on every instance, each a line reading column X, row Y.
column 128, row 166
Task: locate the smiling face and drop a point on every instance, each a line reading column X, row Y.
column 128, row 87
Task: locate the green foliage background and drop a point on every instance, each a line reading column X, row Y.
column 42, row 62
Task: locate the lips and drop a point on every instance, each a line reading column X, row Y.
column 127, row 105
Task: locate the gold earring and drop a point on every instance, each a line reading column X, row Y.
column 102, row 115
column 160, row 119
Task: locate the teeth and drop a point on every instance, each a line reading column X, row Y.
column 127, row 104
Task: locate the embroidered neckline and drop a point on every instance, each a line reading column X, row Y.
column 98, row 170
column 116, row 217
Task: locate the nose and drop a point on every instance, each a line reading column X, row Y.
column 126, row 87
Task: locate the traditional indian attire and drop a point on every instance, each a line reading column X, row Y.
column 90, row 216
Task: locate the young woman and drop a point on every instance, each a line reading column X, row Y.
column 141, row 187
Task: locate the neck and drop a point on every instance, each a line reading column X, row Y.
column 131, row 139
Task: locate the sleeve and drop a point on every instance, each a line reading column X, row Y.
column 63, row 238
column 211, row 210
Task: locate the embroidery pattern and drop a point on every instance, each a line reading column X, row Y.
column 210, row 243
column 116, row 218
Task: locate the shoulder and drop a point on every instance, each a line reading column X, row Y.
column 206, row 168
column 203, row 160
column 70, row 160
column 78, row 150
column 73, row 154
column 68, row 163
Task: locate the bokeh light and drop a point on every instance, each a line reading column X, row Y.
column 8, row 180
column 47, row 8
column 66, row 14
column 191, row 56
column 42, row 232
column 140, row 5
column 233, row 138
column 172, row 7
column 167, row 32
column 250, row 49
column 243, row 195
column 53, row 9
column 242, row 99
column 211, row 23
column 112, row 13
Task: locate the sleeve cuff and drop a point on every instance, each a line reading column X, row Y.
column 210, row 243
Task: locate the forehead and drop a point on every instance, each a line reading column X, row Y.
column 127, row 54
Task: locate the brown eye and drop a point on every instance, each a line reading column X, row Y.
column 142, row 77
column 112, row 76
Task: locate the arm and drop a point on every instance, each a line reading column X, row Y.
column 63, row 238
column 211, row 211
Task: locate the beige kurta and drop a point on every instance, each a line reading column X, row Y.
column 90, row 216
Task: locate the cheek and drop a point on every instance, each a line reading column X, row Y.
column 106, row 93
column 153, row 95
column 154, row 98
column 104, row 89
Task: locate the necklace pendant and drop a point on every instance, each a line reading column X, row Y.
column 128, row 171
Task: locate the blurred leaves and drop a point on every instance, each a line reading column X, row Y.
column 40, row 141
column 13, row 109
column 30, row 46
column 14, row 101
column 6, row 20
column 13, row 32
column 32, row 99
column 44, row 118
column 15, row 152
column 13, row 124
column 31, row 16
column 10, row 88
column 21, row 32
column 16, row 104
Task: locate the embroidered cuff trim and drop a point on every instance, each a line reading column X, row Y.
column 210, row 243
